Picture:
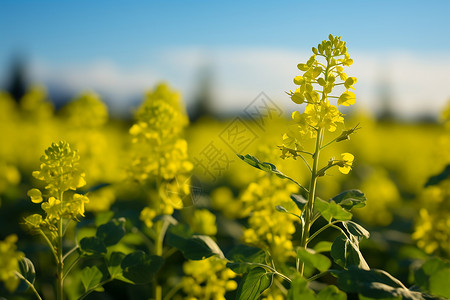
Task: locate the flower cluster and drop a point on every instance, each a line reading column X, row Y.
column 270, row 229
column 204, row 222
column 160, row 153
column 86, row 111
column 60, row 172
column 9, row 262
column 207, row 279
column 432, row 225
column 316, row 85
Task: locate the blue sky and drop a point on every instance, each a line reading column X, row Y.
column 170, row 40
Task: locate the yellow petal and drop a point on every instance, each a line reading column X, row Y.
column 347, row 98
column 35, row 195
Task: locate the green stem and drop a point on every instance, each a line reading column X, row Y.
column 273, row 270
column 49, row 243
column 309, row 208
column 320, row 230
column 70, row 252
column 161, row 229
column 60, row 262
column 312, row 278
column 71, row 267
column 29, row 284
column 173, row 291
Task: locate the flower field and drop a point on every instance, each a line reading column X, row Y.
column 161, row 207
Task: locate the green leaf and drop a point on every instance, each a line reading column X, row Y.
column 112, row 232
column 195, row 247
column 323, row 246
column 264, row 166
column 140, row 267
column 440, row 283
column 316, row 260
column 243, row 258
column 299, row 290
column 92, row 244
column 331, row 210
column 433, row 276
column 26, row 268
column 90, row 277
column 299, row 200
column 350, row 199
column 281, row 209
column 356, row 230
column 434, row 180
column 345, row 253
column 375, row 284
column 331, row 292
column 114, row 261
column 200, row 247
column 103, row 217
column 254, row 283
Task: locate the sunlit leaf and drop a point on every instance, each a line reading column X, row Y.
column 254, row 283
column 90, row 277
column 350, row 199
column 316, row 260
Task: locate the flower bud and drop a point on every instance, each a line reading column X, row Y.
column 303, row 67
column 298, row 80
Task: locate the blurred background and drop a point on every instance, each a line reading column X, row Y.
column 234, row 51
column 78, row 71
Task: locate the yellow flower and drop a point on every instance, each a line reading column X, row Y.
column 75, row 206
column 9, row 262
column 345, row 164
column 147, row 215
column 160, row 154
column 207, row 279
column 329, row 116
column 60, row 169
column 204, row 222
column 53, row 208
column 35, row 195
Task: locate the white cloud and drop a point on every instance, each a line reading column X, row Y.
column 417, row 83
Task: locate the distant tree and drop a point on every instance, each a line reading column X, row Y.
column 203, row 98
column 17, row 84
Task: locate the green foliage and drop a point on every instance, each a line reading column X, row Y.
column 140, row 268
column 265, row 166
column 433, row 276
column 93, row 245
column 300, row 291
column 256, row 281
column 434, row 180
column 106, row 235
column 26, row 268
column 351, row 199
column 195, row 247
column 316, row 260
column 112, row 232
column 375, row 284
column 346, row 253
column 331, row 210
column 243, row 258
column 91, row 277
